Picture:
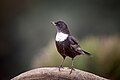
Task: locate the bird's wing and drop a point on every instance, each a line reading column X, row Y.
column 73, row 40
column 74, row 45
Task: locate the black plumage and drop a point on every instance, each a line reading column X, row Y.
column 66, row 44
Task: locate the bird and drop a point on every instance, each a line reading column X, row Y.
column 66, row 44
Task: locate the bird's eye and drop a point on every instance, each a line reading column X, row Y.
column 58, row 24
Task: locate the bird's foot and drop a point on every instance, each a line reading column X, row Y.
column 60, row 67
column 72, row 69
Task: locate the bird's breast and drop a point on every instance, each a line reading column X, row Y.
column 61, row 36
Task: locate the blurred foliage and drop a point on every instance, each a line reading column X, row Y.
column 105, row 59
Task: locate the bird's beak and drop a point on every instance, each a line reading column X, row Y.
column 53, row 23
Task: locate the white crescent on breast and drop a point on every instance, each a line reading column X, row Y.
column 61, row 36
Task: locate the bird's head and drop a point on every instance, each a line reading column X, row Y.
column 61, row 26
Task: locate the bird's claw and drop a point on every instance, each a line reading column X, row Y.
column 72, row 69
column 60, row 67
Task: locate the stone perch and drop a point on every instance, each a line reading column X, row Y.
column 53, row 73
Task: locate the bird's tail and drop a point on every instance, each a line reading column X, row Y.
column 86, row 52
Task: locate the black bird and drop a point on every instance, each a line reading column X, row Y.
column 66, row 44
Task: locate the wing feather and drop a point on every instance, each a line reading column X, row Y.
column 74, row 45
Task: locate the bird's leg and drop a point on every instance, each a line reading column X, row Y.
column 61, row 64
column 72, row 68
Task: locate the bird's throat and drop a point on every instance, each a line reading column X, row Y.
column 61, row 36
